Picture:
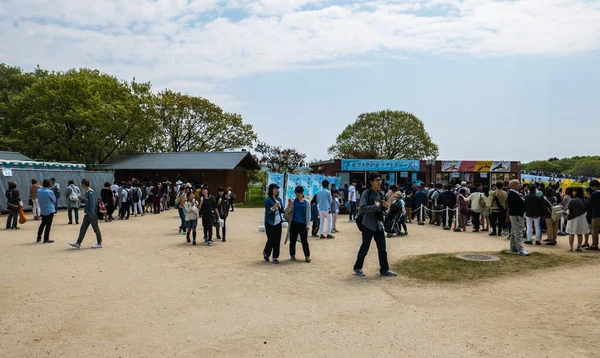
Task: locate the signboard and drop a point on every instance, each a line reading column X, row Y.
column 7, row 172
column 500, row 167
column 413, row 178
column 392, row 179
column 380, row 165
column 450, row 166
column 483, row 166
column 467, row 166
column 456, row 175
column 403, row 174
column 483, row 175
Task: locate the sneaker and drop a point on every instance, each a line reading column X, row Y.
column 293, row 258
column 579, row 249
column 585, row 245
column 359, row 272
column 322, row 237
column 475, row 230
column 48, row 241
column 524, row 252
column 493, row 233
column 275, row 261
column 389, row 273
column 528, row 242
column 265, row 256
column 571, row 249
column 538, row 243
column 97, row 246
column 187, row 238
column 210, row 242
column 194, row 242
column 551, row 243
column 307, row 259
column 330, row 237
column 224, row 240
column 75, row 245
column 38, row 240
column 405, row 234
column 593, row 248
column 218, row 238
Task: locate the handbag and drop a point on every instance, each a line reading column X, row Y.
column 22, row 218
column 556, row 211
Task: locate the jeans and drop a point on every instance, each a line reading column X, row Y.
column 379, row 237
column 353, row 210
column 70, row 212
column 273, row 240
column 87, row 221
column 11, row 220
column 497, row 220
column 475, row 217
column 322, row 216
column 296, row 229
column 45, row 224
column 182, row 217
column 538, row 231
column 516, row 233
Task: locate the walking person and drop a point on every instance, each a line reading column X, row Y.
column 577, row 222
column 352, row 200
column 90, row 216
column 192, row 213
column 14, row 205
column 209, row 213
column 165, row 194
column 223, row 202
column 231, row 198
column 298, row 213
column 273, row 219
column 533, row 212
column 372, row 206
column 73, row 202
column 137, row 200
column 498, row 206
column 324, row 202
column 108, row 199
column 47, row 201
column 314, row 217
column 33, row 198
column 516, row 212
column 180, row 206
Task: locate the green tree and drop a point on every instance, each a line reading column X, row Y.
column 80, row 115
column 541, row 165
column 193, row 123
column 389, row 134
column 588, row 168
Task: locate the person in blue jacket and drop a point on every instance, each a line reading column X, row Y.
column 419, row 199
column 273, row 218
column 47, row 204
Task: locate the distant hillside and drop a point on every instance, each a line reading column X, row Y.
column 588, row 166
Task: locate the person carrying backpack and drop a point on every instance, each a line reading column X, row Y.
column 137, row 200
column 125, row 201
column 73, row 202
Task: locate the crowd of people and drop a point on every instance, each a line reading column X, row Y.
column 126, row 198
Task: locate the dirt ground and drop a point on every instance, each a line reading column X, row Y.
column 148, row 294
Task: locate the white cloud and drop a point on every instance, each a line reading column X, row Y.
column 181, row 42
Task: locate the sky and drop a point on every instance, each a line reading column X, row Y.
column 490, row 79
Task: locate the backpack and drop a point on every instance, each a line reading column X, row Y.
column 100, row 209
column 553, row 211
column 482, row 203
column 74, row 195
column 136, row 195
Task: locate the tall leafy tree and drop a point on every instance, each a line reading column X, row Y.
column 386, row 135
column 80, row 115
column 193, row 123
column 279, row 159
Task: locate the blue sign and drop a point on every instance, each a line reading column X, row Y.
column 380, row 165
column 413, row 178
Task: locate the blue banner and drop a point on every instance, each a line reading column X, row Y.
column 392, row 180
column 380, row 165
column 277, row 179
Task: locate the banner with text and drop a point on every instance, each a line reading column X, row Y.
column 380, row 165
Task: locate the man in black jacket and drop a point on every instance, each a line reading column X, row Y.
column 516, row 211
column 594, row 206
column 533, row 213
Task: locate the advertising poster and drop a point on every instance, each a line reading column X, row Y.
column 450, row 166
column 277, row 179
column 380, row 165
column 500, row 167
column 467, row 166
column 315, row 186
column 483, row 166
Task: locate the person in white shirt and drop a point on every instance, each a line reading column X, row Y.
column 352, row 200
column 137, row 200
column 475, row 207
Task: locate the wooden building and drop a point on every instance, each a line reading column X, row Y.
column 217, row 169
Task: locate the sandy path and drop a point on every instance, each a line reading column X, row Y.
column 147, row 293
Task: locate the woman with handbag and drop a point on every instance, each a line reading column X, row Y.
column 298, row 215
column 14, row 205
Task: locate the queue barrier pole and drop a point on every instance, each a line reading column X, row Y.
column 447, row 227
column 421, row 215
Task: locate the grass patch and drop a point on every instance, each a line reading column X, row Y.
column 448, row 268
column 256, row 198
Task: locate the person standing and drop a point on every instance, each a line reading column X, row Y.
column 14, row 205
column 108, row 199
column 209, row 213
column 335, row 209
column 577, row 222
column 448, row 200
column 90, row 216
column 324, row 202
column 124, row 200
column 231, row 197
column 474, row 199
column 372, row 206
column 273, row 219
column 594, row 207
column 192, row 213
column 47, row 201
column 56, row 189
column 485, row 209
column 137, row 200
column 419, row 203
column 314, row 217
column 165, row 194
column 33, row 196
column 352, row 200
column 73, row 202
column 437, row 204
column 533, row 213
column 551, row 222
column 223, row 201
column 516, row 212
column 498, row 206
column 299, row 212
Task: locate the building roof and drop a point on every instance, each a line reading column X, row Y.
column 183, row 160
column 13, row 156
